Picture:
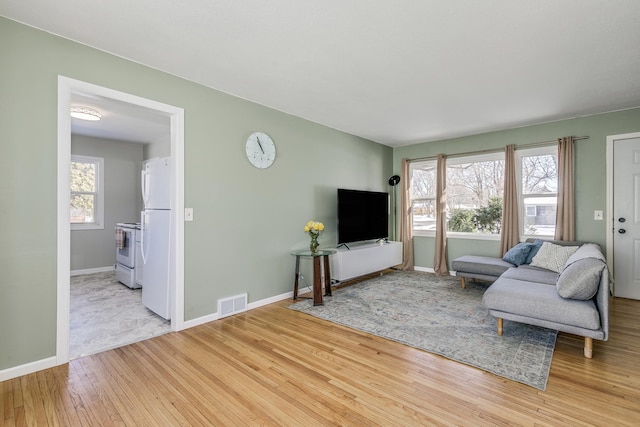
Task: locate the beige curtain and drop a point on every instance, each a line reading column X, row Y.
column 510, row 232
column 440, row 258
column 406, row 219
column 565, row 213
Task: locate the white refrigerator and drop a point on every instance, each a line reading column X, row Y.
column 155, row 237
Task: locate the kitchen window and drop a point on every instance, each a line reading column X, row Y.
column 87, row 193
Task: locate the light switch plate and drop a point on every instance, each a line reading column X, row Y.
column 188, row 214
column 597, row 215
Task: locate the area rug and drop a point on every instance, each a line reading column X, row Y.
column 435, row 314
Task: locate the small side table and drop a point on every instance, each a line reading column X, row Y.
column 321, row 254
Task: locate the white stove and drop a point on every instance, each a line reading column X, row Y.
column 127, row 245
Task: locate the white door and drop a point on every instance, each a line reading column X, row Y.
column 626, row 217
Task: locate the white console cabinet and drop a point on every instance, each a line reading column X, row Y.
column 364, row 259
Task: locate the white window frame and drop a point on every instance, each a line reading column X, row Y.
column 419, row 165
column 473, row 158
column 519, row 154
column 98, row 223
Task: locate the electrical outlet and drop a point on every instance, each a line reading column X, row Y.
column 188, row 214
column 597, row 215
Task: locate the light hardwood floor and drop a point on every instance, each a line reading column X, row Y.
column 274, row 366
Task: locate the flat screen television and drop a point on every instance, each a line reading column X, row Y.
column 362, row 215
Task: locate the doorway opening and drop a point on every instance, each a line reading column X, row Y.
column 67, row 89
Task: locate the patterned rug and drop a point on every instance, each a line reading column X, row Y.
column 436, row 315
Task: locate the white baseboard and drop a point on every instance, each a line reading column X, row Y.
column 27, row 368
column 214, row 316
column 91, row 270
column 270, row 300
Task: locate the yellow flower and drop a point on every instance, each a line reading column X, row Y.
column 313, row 227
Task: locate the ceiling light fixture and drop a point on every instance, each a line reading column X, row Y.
column 85, row 113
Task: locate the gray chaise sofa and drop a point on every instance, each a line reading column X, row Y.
column 572, row 299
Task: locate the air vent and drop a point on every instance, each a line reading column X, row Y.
column 232, row 305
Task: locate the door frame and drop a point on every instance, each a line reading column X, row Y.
column 611, row 140
column 67, row 86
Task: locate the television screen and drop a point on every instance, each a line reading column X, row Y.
column 362, row 215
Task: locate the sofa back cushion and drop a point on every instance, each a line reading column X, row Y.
column 553, row 257
column 580, row 279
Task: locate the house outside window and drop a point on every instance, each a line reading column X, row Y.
column 475, row 190
column 537, row 173
column 87, row 193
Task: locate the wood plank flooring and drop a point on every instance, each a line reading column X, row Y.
column 277, row 367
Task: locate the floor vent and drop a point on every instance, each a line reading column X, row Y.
column 232, row 305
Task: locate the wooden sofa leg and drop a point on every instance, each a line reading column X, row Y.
column 462, row 281
column 588, row 347
column 500, row 326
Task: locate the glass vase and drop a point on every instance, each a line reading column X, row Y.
column 313, row 246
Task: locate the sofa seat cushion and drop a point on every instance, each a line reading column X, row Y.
column 532, row 274
column 484, row 265
column 540, row 301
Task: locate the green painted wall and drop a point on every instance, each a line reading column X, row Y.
column 590, row 172
column 246, row 221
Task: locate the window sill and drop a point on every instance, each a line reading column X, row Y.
column 455, row 235
column 80, row 227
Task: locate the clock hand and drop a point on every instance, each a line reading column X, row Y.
column 260, row 145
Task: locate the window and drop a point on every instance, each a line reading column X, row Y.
column 423, row 196
column 87, row 194
column 474, row 194
column 475, row 190
column 538, row 177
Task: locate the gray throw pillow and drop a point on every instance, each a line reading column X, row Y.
column 553, row 257
column 580, row 280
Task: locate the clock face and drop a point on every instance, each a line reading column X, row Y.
column 261, row 150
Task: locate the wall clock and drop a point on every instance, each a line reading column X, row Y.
column 261, row 151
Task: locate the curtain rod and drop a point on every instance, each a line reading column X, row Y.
column 496, row 150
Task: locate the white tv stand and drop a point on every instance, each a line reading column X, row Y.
column 363, row 259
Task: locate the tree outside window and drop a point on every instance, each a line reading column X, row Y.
column 474, row 194
column 539, row 178
column 423, row 196
column 86, row 207
column 475, row 191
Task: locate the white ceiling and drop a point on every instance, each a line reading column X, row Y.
column 395, row 72
column 120, row 120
